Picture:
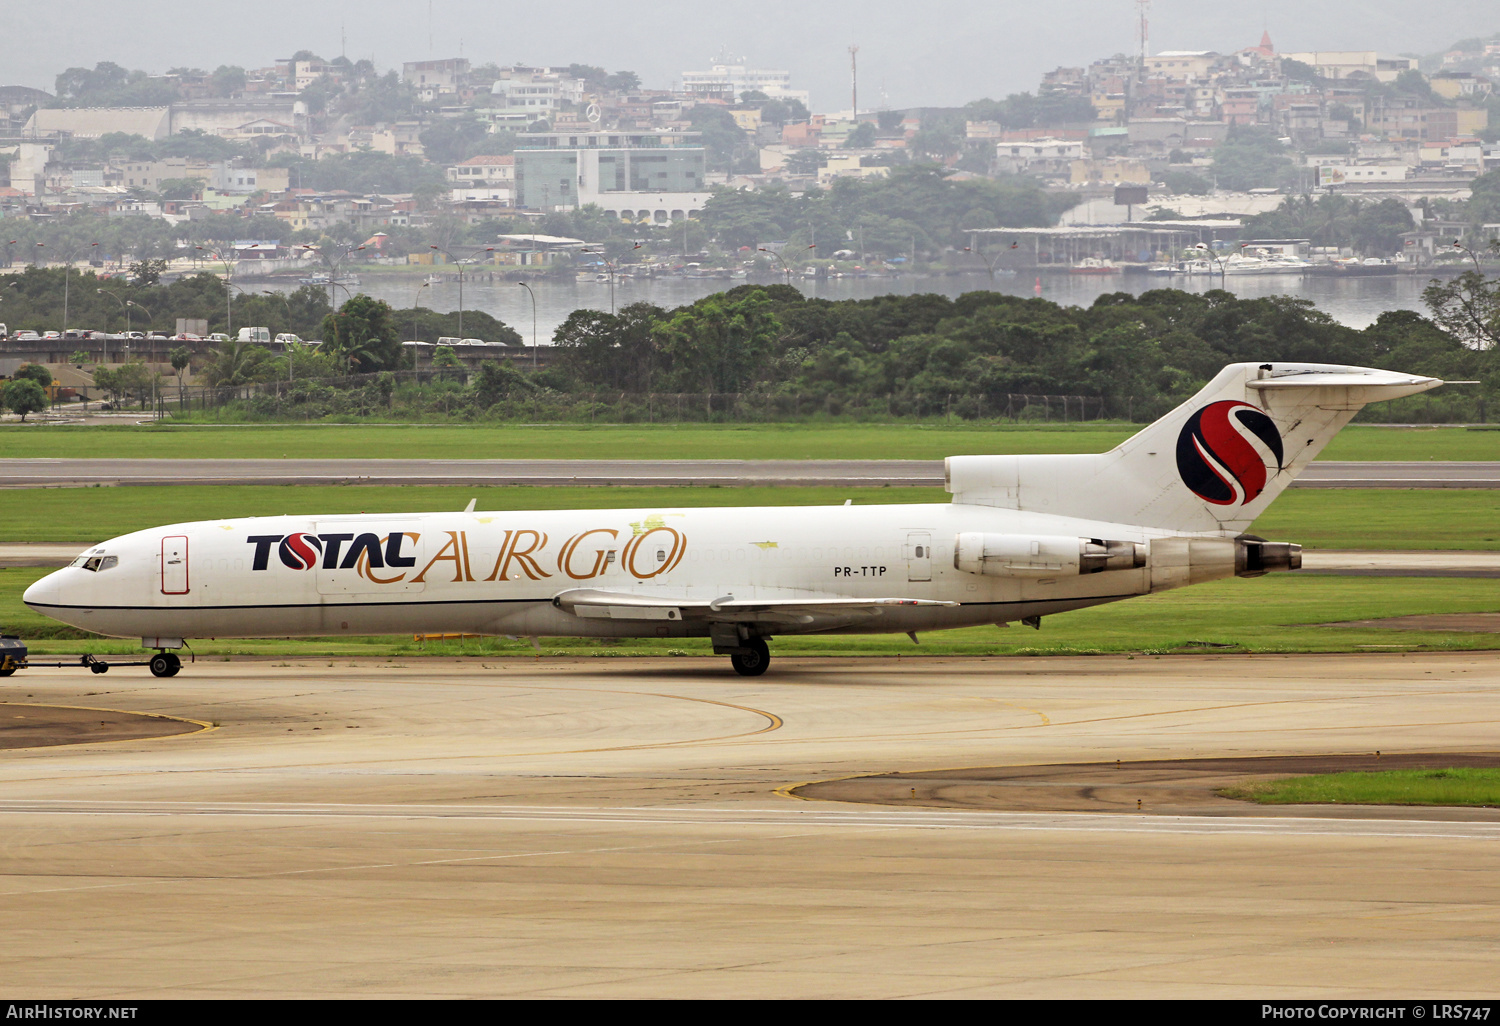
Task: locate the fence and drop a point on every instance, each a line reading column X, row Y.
column 446, row 393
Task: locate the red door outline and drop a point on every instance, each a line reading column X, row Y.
column 174, row 553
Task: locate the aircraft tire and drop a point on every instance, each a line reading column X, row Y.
column 753, row 663
column 164, row 664
column 6, row 671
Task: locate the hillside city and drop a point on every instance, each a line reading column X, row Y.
column 338, row 146
column 189, row 192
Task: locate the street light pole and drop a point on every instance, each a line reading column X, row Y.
column 125, row 306
column 284, row 302
column 533, row 323
column 414, row 300
column 1216, row 259
column 228, row 291
column 785, row 269
column 460, row 263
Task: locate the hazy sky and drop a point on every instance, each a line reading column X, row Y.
column 936, row 52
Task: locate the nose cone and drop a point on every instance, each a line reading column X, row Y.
column 44, row 593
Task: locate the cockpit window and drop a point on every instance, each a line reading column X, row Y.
column 98, row 564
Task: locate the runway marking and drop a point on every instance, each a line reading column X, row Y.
column 203, row 726
column 774, row 722
column 803, row 816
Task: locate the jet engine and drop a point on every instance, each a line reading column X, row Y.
column 1017, row 555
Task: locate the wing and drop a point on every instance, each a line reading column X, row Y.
column 803, row 612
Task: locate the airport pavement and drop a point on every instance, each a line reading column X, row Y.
column 621, row 828
column 54, row 473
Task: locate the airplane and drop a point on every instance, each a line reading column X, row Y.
column 1024, row 537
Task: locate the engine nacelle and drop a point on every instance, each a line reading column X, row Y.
column 1019, row 555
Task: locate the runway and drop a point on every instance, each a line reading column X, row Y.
column 623, row 827
column 56, row 473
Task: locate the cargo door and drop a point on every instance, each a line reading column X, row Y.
column 174, row 565
column 918, row 553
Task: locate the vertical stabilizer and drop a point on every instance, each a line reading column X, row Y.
column 1211, row 465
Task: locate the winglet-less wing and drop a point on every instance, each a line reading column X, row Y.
column 625, row 605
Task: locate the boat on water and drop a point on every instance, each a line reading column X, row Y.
column 1192, row 268
column 433, row 279
column 325, row 280
column 1093, row 265
column 1273, row 263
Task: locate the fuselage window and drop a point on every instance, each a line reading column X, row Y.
column 919, row 552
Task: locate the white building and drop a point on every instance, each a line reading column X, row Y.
column 486, row 178
column 729, row 77
column 1038, row 155
column 525, row 95
column 1356, row 64
column 432, row 79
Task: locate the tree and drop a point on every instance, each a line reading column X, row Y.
column 34, row 372
column 1252, row 158
column 363, row 334
column 24, row 396
column 235, row 363
column 862, row 137
column 182, row 358
column 1467, row 307
column 229, row 80
column 720, row 343
column 147, row 272
column 444, row 358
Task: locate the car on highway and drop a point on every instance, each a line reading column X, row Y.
column 50, row 336
column 217, row 336
column 27, row 336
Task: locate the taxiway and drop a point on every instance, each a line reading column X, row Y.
column 621, row 827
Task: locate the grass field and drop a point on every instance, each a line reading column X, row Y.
column 665, row 441
column 1277, row 613
column 1457, row 786
column 1327, row 518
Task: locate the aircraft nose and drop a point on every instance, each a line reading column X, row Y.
column 46, row 592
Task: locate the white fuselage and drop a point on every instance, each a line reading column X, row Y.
column 497, row 573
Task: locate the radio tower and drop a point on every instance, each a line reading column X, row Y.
column 854, row 80
column 1144, row 7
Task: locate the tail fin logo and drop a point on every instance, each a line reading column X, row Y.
column 1217, row 458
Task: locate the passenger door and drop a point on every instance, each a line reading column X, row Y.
column 918, row 553
column 174, row 565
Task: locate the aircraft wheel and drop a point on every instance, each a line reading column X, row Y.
column 6, row 671
column 98, row 667
column 754, row 662
column 165, row 664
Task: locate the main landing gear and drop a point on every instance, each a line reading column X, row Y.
column 165, row 664
column 752, row 659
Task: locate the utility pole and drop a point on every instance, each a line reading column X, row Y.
column 854, row 81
